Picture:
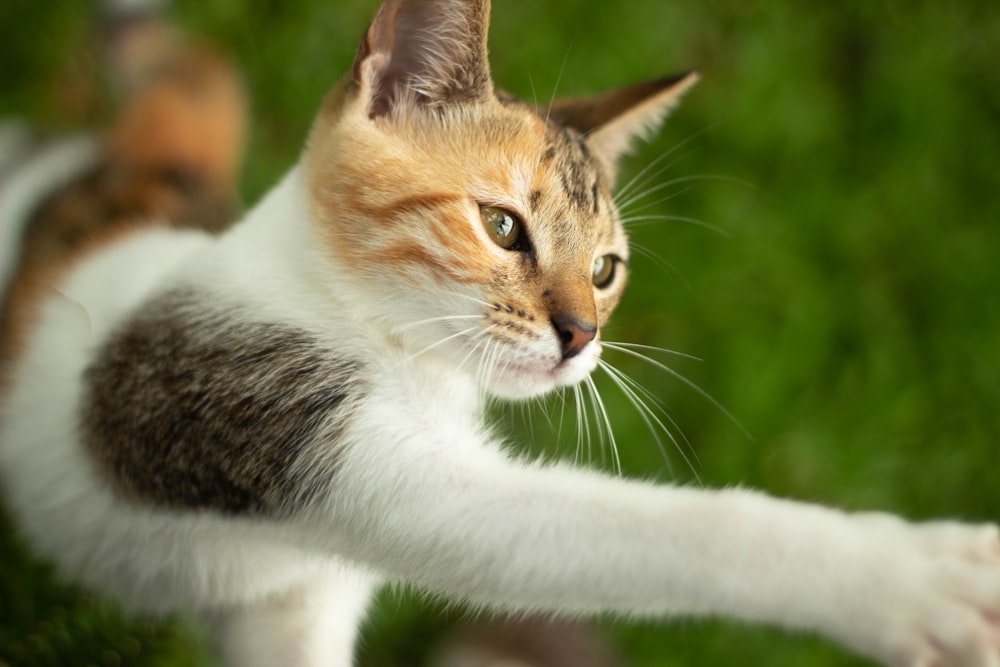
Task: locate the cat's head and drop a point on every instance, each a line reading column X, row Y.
column 477, row 229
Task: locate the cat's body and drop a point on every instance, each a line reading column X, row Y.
column 264, row 425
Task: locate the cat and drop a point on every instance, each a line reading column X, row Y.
column 263, row 425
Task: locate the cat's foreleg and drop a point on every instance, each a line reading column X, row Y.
column 468, row 522
column 313, row 624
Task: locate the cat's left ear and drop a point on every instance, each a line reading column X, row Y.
column 613, row 121
column 425, row 52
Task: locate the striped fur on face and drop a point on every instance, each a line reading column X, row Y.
column 407, row 217
column 405, row 156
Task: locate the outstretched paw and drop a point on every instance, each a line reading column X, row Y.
column 935, row 594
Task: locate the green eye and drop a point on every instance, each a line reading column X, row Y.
column 505, row 228
column 603, row 272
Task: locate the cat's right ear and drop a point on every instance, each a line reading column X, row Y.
column 424, row 53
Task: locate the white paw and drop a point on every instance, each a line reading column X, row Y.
column 930, row 596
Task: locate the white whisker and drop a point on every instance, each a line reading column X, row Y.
column 442, row 318
column 642, row 220
column 650, row 418
column 661, row 263
column 704, row 394
column 582, row 425
column 655, row 400
column 599, row 403
column 618, row 344
column 597, row 421
column 680, row 179
column 643, row 411
column 633, row 181
column 441, row 342
column 654, row 204
column 484, row 337
column 471, row 298
column 562, row 412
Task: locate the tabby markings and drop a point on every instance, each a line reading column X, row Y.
column 191, row 407
column 580, row 172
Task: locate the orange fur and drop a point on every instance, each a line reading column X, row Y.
column 170, row 158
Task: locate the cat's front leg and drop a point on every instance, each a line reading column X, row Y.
column 464, row 520
column 313, row 623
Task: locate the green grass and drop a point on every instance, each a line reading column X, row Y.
column 849, row 316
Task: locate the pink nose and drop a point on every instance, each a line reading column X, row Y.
column 573, row 334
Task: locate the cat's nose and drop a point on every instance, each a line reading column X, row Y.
column 573, row 333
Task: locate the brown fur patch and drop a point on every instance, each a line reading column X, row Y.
column 189, row 407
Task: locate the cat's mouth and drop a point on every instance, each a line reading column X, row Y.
column 508, row 370
column 520, row 378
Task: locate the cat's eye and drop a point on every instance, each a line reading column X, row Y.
column 503, row 227
column 604, row 270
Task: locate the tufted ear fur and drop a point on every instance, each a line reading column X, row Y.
column 430, row 52
column 613, row 120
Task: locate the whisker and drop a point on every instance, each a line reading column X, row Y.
column 579, row 424
column 489, row 362
column 484, row 336
column 582, row 425
column 552, row 98
column 635, row 183
column 643, row 220
column 562, row 413
column 599, row 403
column 661, row 200
column 442, row 318
column 471, row 298
column 618, row 344
column 538, row 405
column 669, row 152
column 643, row 411
column 649, row 417
column 655, row 400
column 704, row 394
column 441, row 342
column 683, row 179
column 661, row 263
column 482, row 365
column 597, row 422
column 528, row 416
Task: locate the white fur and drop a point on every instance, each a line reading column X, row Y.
column 423, row 493
column 30, row 184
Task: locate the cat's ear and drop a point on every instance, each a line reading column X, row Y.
column 429, row 52
column 612, row 121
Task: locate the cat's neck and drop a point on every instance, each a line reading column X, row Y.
column 273, row 263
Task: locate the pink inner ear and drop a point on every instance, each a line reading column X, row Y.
column 433, row 52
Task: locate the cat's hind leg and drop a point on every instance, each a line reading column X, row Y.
column 313, row 624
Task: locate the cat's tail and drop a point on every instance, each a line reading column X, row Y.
column 182, row 108
column 169, row 157
column 135, row 37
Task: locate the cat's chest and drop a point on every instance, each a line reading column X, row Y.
column 187, row 389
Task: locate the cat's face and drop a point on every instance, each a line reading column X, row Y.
column 482, row 232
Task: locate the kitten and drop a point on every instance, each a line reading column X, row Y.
column 266, row 425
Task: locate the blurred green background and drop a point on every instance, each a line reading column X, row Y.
column 847, row 315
